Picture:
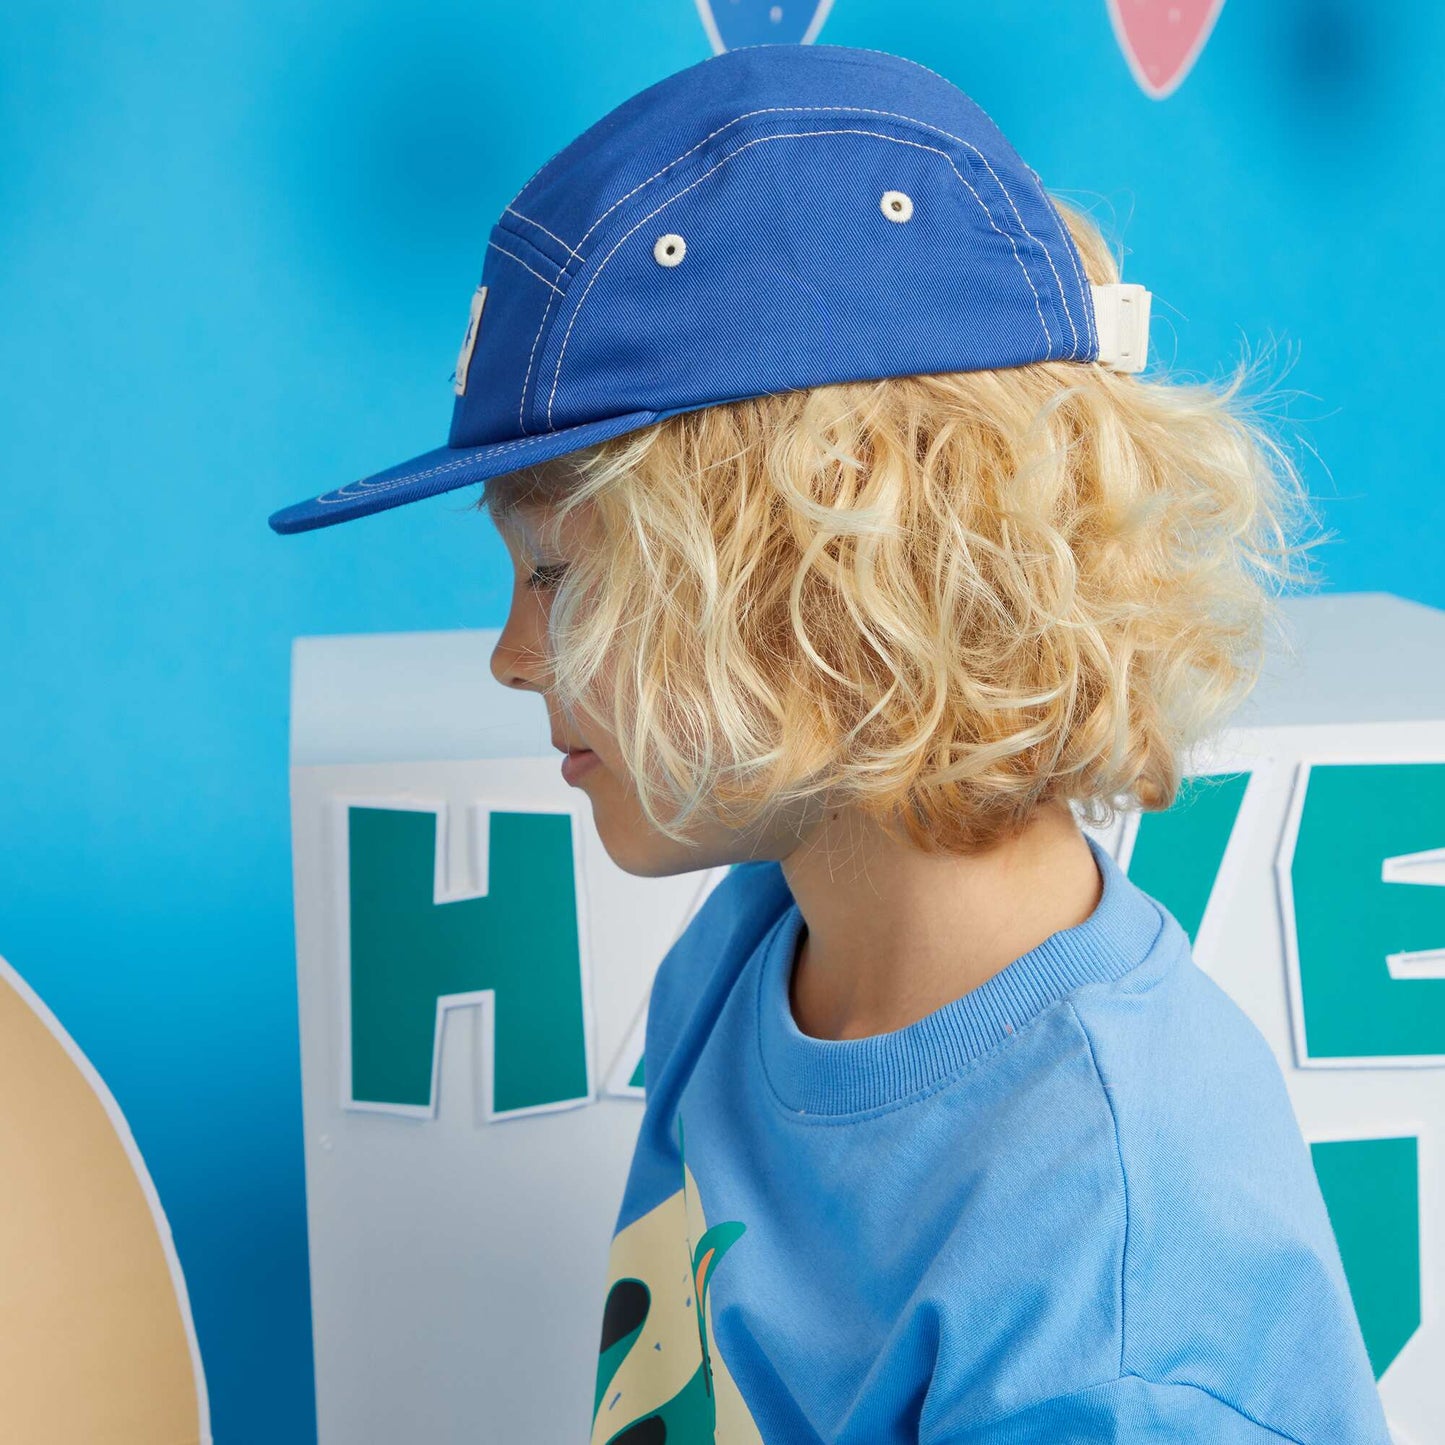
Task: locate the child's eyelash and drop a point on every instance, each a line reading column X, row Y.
column 547, row 575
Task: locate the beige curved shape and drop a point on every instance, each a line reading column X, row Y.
column 96, row 1339
column 653, row 1249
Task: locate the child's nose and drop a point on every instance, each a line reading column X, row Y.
column 519, row 658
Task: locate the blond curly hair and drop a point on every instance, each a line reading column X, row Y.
column 946, row 600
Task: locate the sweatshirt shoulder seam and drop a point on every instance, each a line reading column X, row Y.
column 1108, row 1095
column 1147, row 1380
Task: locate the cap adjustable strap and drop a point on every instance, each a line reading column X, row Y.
column 1121, row 317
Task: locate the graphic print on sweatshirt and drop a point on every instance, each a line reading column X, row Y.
column 660, row 1377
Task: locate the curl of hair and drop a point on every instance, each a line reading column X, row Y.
column 946, row 600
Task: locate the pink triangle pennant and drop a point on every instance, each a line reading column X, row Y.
column 1161, row 39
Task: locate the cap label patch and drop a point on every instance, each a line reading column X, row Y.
column 464, row 356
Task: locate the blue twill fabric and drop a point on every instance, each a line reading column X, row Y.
column 773, row 218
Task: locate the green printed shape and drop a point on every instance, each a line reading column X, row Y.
column 1177, row 851
column 688, row 1418
column 1347, row 918
column 407, row 951
column 1372, row 1193
column 714, row 1243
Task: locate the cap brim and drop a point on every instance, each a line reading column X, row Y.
column 447, row 468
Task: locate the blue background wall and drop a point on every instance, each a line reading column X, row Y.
column 239, row 242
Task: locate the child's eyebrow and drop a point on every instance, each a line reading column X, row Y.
column 514, row 529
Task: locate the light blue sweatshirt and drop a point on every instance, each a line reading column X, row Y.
column 1072, row 1206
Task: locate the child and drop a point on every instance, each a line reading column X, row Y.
column 851, row 552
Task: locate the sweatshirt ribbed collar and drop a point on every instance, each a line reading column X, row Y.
column 844, row 1076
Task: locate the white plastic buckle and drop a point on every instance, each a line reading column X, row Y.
column 1121, row 317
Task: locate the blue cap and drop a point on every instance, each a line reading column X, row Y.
column 772, row 218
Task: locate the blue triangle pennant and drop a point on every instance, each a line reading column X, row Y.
column 731, row 24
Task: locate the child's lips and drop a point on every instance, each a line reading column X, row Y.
column 577, row 764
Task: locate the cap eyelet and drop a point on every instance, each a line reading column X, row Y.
column 896, row 205
column 669, row 250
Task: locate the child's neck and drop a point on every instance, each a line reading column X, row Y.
column 891, row 934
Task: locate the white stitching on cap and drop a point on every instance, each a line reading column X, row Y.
column 786, row 109
column 905, row 59
column 797, row 135
column 555, row 154
column 340, row 494
column 1048, row 255
column 836, row 109
column 524, row 266
column 531, row 356
column 1091, row 334
column 758, row 45
column 733, row 50
column 544, row 231
column 747, row 115
column 1070, row 250
column 865, row 110
column 1043, row 191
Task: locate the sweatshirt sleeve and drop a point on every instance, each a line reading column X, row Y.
column 698, row 969
column 1133, row 1408
column 688, row 989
